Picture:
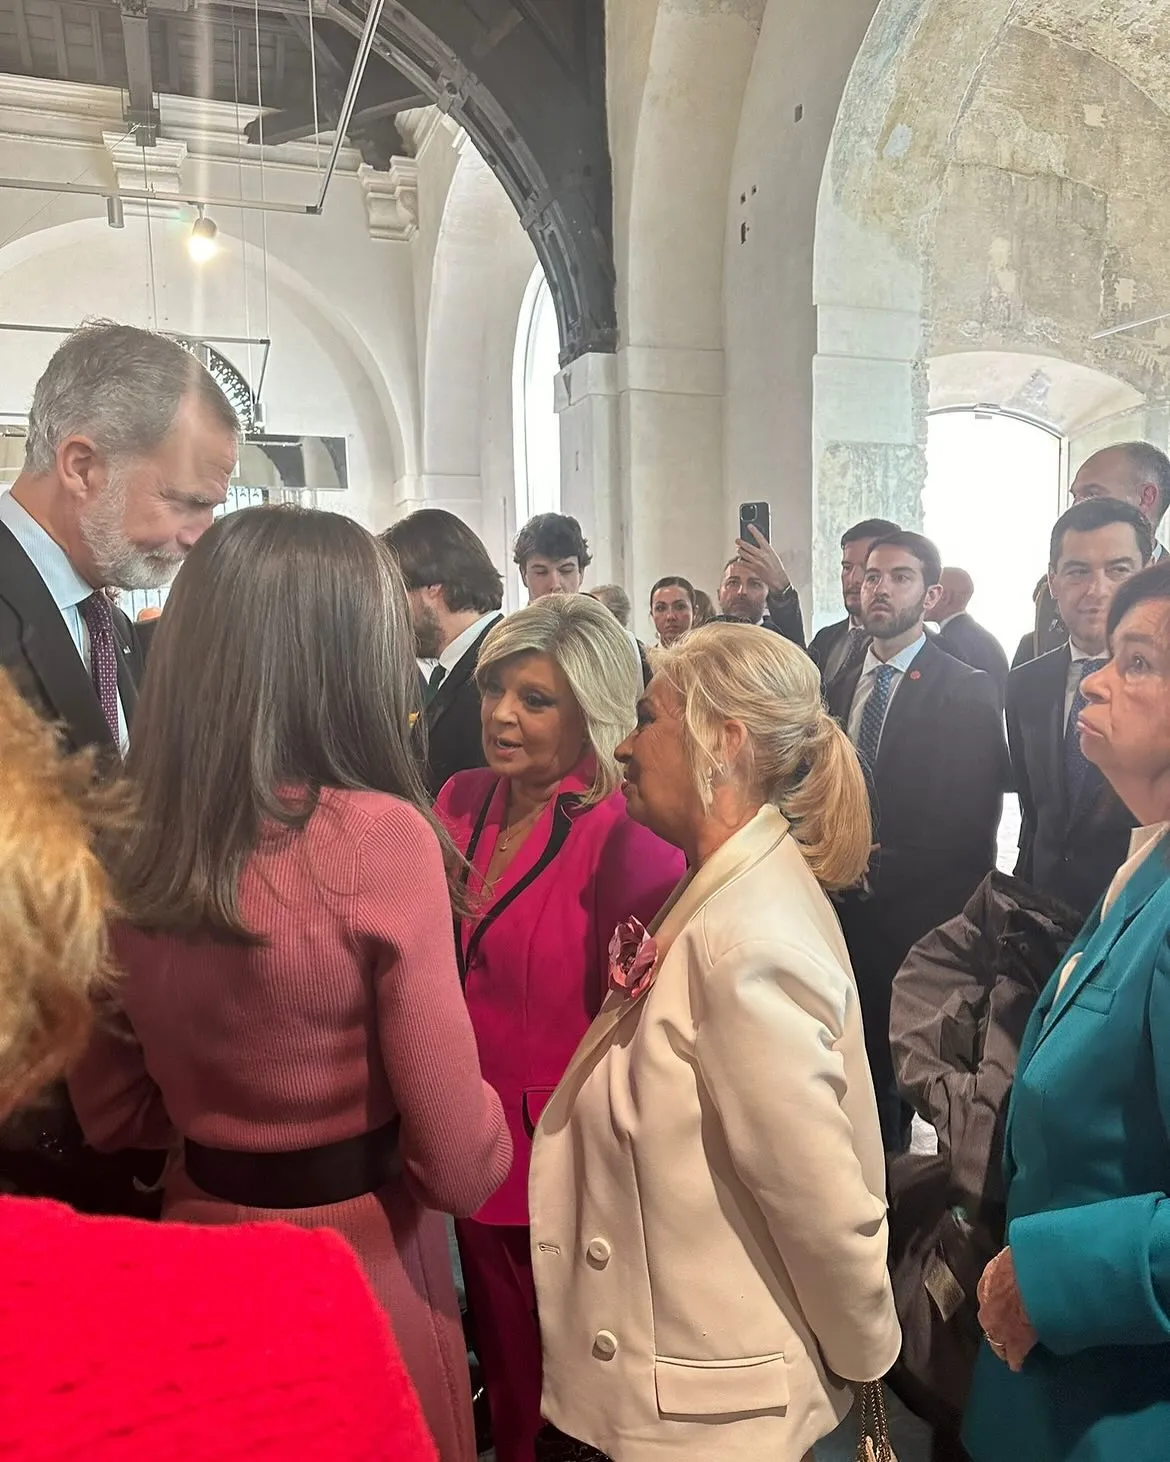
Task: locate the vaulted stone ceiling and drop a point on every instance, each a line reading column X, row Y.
column 524, row 77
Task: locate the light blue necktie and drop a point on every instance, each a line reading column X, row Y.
column 874, row 715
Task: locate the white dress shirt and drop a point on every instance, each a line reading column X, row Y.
column 901, row 662
column 463, row 642
column 64, row 583
column 1073, row 683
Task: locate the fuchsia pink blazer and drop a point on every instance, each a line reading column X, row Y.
column 534, row 953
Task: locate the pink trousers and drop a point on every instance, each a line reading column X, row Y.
column 497, row 1274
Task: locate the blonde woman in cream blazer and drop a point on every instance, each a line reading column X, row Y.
column 707, row 1183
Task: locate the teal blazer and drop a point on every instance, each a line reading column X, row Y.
column 1087, row 1155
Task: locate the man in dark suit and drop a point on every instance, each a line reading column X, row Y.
column 1131, row 472
column 929, row 733
column 1074, row 832
column 962, row 636
column 455, row 596
column 842, row 645
column 130, row 448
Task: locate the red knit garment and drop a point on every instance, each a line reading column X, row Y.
column 123, row 1341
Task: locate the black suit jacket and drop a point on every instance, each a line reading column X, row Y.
column 967, row 640
column 42, row 1152
column 784, row 616
column 937, row 792
column 37, row 650
column 825, row 641
column 454, row 738
column 1070, row 853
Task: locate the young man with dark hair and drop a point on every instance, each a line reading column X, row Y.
column 552, row 555
column 842, row 645
column 1074, row 831
column 1137, row 473
column 929, row 733
column 455, row 596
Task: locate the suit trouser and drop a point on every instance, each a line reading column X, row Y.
column 501, row 1298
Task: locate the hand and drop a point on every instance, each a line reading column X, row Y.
column 1001, row 1312
column 764, row 559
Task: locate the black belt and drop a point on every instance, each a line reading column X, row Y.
column 308, row 1178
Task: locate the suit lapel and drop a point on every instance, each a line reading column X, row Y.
column 1097, row 947
column 906, row 707
column 49, row 649
column 461, row 672
column 763, row 835
column 840, row 692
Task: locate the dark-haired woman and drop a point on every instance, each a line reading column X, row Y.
column 1076, row 1308
column 292, row 1000
column 672, row 608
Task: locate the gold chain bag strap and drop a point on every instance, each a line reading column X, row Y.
column 873, row 1435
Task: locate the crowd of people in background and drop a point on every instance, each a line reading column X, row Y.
column 342, row 904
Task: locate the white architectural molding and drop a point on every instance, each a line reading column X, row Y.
column 419, row 125
column 158, row 168
column 391, row 199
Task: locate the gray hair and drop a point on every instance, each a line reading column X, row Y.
column 615, row 599
column 583, row 638
column 121, row 387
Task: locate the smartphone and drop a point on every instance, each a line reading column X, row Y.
column 755, row 515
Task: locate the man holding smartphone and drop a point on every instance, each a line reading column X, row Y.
column 756, row 588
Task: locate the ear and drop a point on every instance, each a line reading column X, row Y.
column 735, row 740
column 933, row 595
column 1148, row 500
column 81, row 470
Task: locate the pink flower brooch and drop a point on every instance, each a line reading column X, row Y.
column 633, row 955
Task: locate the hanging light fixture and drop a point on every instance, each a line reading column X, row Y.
column 114, row 215
column 203, row 245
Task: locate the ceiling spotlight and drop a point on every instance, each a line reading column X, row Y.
column 202, row 244
column 114, row 215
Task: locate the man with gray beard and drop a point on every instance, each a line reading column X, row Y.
column 130, row 448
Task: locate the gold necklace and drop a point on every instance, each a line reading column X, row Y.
column 510, row 832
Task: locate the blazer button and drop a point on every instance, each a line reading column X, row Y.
column 605, row 1345
column 599, row 1253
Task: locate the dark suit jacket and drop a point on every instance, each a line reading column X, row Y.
column 37, row 650
column 784, row 616
column 42, row 1153
column 967, row 640
column 453, row 733
column 825, row 641
column 937, row 792
column 1069, row 853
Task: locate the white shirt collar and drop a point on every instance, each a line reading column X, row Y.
column 1078, row 654
column 901, row 661
column 62, row 580
column 459, row 646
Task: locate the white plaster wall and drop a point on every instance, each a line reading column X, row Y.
column 798, row 74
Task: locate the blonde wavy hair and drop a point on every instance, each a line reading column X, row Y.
column 796, row 758
column 54, row 899
column 595, row 656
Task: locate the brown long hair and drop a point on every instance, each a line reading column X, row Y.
column 282, row 664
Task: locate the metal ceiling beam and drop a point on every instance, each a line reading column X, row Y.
column 141, row 112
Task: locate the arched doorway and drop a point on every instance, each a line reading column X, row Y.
column 995, row 484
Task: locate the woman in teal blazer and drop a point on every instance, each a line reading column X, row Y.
column 1076, row 1309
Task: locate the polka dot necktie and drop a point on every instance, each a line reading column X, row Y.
column 874, row 715
column 103, row 657
column 1080, row 776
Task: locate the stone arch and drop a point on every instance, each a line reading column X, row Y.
column 982, row 192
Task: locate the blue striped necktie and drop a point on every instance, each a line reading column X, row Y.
column 873, row 717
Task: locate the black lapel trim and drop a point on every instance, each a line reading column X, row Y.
column 562, row 825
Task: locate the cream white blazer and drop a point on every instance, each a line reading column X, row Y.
column 707, row 1184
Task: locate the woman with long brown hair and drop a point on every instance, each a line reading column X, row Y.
column 121, row 1339
column 291, row 993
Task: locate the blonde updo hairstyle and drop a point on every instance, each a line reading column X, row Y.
column 796, row 756
column 54, row 899
column 595, row 656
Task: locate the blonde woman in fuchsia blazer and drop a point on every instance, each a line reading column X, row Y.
column 555, row 865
